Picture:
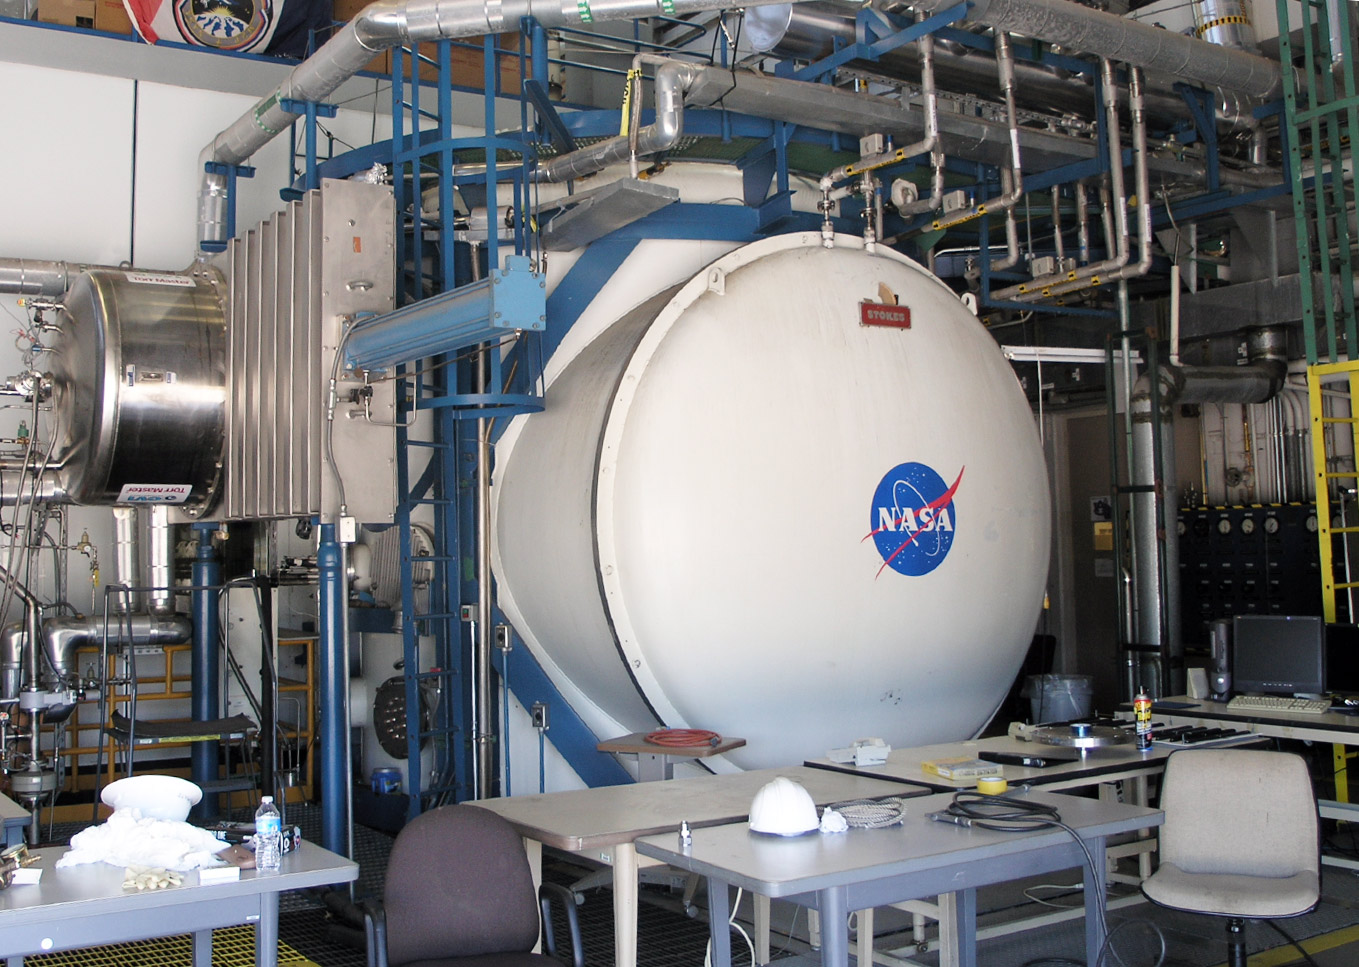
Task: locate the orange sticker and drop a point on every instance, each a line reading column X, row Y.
column 358, row 245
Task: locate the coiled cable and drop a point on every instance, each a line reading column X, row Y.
column 871, row 813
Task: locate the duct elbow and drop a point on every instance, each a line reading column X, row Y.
column 1267, row 350
column 384, row 24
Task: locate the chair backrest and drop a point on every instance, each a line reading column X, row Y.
column 458, row 885
column 1239, row 811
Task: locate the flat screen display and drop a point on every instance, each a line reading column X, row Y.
column 1278, row 654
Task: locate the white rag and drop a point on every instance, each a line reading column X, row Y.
column 127, row 839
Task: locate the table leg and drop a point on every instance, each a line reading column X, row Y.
column 965, row 929
column 1094, row 893
column 625, row 905
column 266, row 933
column 833, row 905
column 719, row 912
column 948, row 931
column 202, row 948
column 761, row 904
column 865, row 947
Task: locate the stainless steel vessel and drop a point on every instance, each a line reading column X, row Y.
column 139, row 388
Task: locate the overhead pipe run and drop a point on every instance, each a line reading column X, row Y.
column 1076, row 27
column 814, row 30
column 1005, row 66
column 377, row 27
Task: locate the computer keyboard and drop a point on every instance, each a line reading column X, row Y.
column 1278, row 703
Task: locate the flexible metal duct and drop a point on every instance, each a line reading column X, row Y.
column 385, row 24
column 1077, row 27
column 1257, row 382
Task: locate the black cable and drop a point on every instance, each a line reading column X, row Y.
column 1284, row 933
column 1007, row 814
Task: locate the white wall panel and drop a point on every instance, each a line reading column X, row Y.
column 66, row 171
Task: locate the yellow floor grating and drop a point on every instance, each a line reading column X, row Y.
column 231, row 947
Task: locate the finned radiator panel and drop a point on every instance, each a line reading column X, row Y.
column 297, row 280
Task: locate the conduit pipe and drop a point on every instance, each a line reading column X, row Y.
column 1142, row 188
column 1039, row 288
column 930, row 142
column 378, row 26
column 1073, row 26
column 1155, row 553
column 926, row 145
column 1082, row 222
column 1005, row 66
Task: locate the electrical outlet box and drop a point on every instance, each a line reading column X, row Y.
column 872, row 144
column 954, row 200
column 468, row 612
column 503, row 640
column 539, row 713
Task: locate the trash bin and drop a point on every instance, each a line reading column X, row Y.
column 1058, row 698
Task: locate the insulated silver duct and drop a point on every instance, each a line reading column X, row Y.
column 1080, row 28
column 1155, row 552
column 385, row 24
column 672, row 79
column 37, row 277
column 127, row 567
column 63, row 635
column 160, row 547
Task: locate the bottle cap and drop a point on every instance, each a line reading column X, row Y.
column 264, row 799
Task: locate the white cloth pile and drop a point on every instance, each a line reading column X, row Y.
column 127, row 839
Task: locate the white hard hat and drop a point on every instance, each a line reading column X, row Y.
column 783, row 808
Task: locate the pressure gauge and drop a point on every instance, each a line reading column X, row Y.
column 1224, row 526
column 1311, row 523
column 1271, row 525
column 1248, row 525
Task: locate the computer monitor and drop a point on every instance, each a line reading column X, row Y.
column 1278, row 654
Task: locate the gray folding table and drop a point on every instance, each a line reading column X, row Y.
column 836, row 873
column 85, row 906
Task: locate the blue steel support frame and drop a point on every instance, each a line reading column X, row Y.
column 333, row 684
column 310, row 111
column 205, row 664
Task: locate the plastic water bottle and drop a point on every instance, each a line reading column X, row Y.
column 268, row 837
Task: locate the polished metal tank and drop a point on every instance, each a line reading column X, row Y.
column 794, row 495
column 139, row 388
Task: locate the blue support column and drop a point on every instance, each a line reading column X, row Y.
column 205, row 663
column 334, row 692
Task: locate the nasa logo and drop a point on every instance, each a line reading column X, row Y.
column 224, row 24
column 913, row 519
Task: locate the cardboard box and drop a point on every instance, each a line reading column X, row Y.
column 466, row 64
column 111, row 17
column 69, row 13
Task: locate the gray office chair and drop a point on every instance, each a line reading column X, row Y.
column 459, row 893
column 1240, row 839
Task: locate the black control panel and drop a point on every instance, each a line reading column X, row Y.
column 1259, row 559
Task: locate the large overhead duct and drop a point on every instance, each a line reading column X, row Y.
column 810, row 31
column 1080, row 28
column 385, row 24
